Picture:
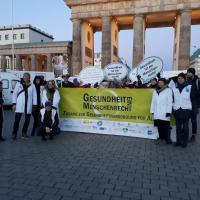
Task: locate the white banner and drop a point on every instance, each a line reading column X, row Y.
column 109, row 127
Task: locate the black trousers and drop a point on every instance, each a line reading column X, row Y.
column 17, row 121
column 163, row 129
column 194, row 123
column 182, row 125
column 36, row 123
column 1, row 123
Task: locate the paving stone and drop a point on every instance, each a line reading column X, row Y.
column 79, row 166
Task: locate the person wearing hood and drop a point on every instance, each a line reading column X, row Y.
column 50, row 93
column 184, row 102
column 161, row 108
column 1, row 111
column 24, row 99
column 38, row 83
column 193, row 80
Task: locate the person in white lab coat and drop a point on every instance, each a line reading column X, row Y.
column 50, row 93
column 161, row 108
column 24, row 97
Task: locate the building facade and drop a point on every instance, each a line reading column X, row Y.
column 111, row 16
column 34, row 50
column 23, row 34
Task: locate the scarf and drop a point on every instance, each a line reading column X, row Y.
column 159, row 90
column 38, row 94
column 50, row 94
column 181, row 86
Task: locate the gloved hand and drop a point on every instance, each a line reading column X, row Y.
column 158, row 75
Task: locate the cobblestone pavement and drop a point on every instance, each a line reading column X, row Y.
column 96, row 167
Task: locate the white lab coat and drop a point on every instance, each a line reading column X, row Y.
column 182, row 100
column 161, row 104
column 19, row 100
column 56, row 98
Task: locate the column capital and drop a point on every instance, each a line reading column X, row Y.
column 78, row 20
column 106, row 18
column 185, row 11
column 141, row 15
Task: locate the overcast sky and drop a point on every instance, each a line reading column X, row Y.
column 53, row 17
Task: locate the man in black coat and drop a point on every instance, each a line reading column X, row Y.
column 65, row 83
column 193, row 80
column 1, row 111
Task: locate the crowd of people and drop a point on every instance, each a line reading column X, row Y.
column 182, row 101
column 41, row 100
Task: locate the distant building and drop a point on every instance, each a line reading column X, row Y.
column 195, row 61
column 34, row 50
column 23, row 34
column 97, row 59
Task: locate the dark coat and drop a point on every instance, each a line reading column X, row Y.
column 1, row 107
column 66, row 85
column 195, row 82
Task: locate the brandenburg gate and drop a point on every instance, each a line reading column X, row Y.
column 111, row 16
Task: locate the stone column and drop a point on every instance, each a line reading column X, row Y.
column 76, row 49
column 3, row 63
column 114, row 41
column 106, row 41
column 10, row 63
column 87, row 44
column 182, row 40
column 18, row 65
column 69, row 59
column 49, row 63
column 26, row 66
column 33, row 62
column 139, row 39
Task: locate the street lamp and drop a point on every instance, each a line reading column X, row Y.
column 13, row 50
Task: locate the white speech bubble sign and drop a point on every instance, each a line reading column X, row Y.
column 115, row 71
column 91, row 75
column 149, row 68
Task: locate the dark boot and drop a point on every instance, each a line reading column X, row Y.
column 193, row 138
column 24, row 136
column 168, row 139
column 2, row 139
column 14, row 136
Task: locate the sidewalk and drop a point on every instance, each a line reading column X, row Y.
column 97, row 167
